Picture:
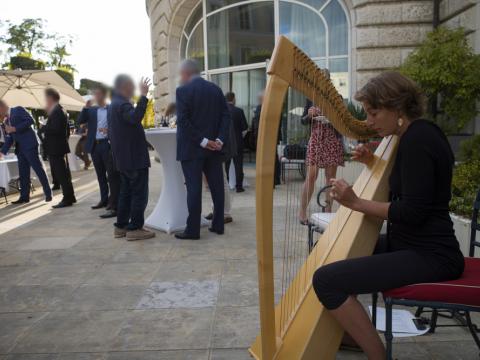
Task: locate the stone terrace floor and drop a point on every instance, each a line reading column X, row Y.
column 70, row 291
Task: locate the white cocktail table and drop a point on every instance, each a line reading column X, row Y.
column 170, row 212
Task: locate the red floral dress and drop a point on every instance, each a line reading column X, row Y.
column 324, row 147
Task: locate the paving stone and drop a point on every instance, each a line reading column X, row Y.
column 124, row 274
column 230, row 354
column 82, row 356
column 174, row 294
column 33, row 298
column 96, row 297
column 51, row 243
column 189, row 269
column 160, row 355
column 14, row 326
column 235, row 327
column 142, row 254
column 169, row 329
column 57, row 274
column 12, row 275
column 32, row 357
column 73, row 332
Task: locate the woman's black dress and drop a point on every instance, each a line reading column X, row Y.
column 421, row 245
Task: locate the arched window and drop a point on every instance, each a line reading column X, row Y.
column 240, row 37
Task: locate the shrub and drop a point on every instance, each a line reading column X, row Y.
column 465, row 184
column 470, row 149
column 447, row 69
column 67, row 75
column 25, row 62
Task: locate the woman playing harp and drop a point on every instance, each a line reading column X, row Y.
column 420, row 245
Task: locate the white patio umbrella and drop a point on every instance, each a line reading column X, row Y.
column 25, row 88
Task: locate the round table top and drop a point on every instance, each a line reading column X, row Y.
column 161, row 130
column 8, row 158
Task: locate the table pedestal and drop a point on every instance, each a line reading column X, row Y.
column 170, row 213
column 73, row 161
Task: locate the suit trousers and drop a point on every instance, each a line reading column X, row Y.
column 80, row 150
column 101, row 155
column 26, row 160
column 212, row 167
column 114, row 181
column 238, row 163
column 62, row 173
column 133, row 199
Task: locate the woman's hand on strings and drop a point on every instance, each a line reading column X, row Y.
column 342, row 192
column 362, row 154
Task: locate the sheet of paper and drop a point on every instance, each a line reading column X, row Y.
column 402, row 323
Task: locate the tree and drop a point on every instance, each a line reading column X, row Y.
column 26, row 37
column 447, row 69
column 59, row 53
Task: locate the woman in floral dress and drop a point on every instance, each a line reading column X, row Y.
column 325, row 150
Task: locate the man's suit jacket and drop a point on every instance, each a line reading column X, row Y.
column 239, row 123
column 24, row 136
column 56, row 133
column 126, row 134
column 89, row 116
column 202, row 112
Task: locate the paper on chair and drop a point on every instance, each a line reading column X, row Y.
column 402, row 323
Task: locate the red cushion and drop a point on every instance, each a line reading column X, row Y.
column 465, row 290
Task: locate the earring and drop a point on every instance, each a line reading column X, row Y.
column 400, row 122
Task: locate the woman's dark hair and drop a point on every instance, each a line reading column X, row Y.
column 393, row 91
column 171, row 109
column 52, row 93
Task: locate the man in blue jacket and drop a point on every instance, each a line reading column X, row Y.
column 130, row 154
column 94, row 118
column 18, row 127
column 203, row 125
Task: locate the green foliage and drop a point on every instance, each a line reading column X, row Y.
column 26, row 37
column 465, row 184
column 448, row 70
column 25, row 63
column 470, row 149
column 89, row 84
column 356, row 111
column 67, row 75
column 59, row 53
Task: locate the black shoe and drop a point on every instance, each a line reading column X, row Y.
column 240, row 190
column 62, row 204
column 20, row 201
column 74, row 200
column 55, row 187
column 109, row 214
column 215, row 231
column 209, row 216
column 108, row 207
column 98, row 206
column 48, row 198
column 184, row 236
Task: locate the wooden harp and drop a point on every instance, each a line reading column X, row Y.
column 298, row 327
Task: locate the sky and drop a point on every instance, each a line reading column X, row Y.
column 110, row 36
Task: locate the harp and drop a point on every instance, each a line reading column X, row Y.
column 297, row 326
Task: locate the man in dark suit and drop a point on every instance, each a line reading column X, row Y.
column 18, row 129
column 203, row 124
column 130, row 153
column 94, row 118
column 239, row 124
column 55, row 133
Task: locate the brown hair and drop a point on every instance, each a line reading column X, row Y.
column 171, row 109
column 393, row 91
column 52, row 93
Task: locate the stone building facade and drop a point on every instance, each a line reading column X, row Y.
column 381, row 33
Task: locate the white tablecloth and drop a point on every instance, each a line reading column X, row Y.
column 73, row 161
column 170, row 212
column 8, row 170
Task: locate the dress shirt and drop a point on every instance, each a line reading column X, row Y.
column 101, row 122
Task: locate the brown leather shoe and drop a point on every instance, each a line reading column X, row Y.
column 139, row 234
column 119, row 233
column 227, row 219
